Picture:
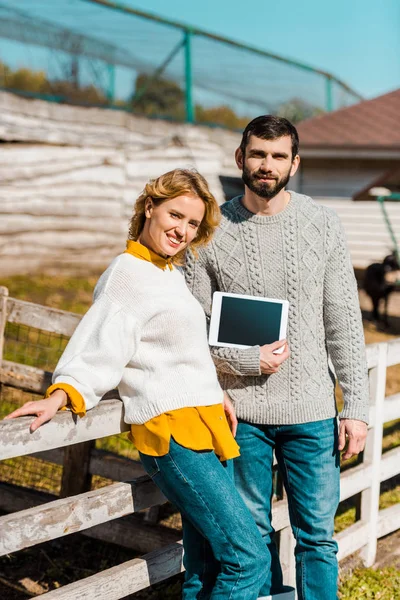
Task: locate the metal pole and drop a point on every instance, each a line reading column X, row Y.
column 111, row 4
column 188, row 77
column 329, row 95
column 111, row 83
column 159, row 71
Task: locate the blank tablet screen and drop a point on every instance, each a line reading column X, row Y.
column 249, row 322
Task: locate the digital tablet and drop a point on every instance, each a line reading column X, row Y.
column 239, row 321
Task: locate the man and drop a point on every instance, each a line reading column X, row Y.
column 283, row 245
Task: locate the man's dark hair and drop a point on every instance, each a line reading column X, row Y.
column 269, row 127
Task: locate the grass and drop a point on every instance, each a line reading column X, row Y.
column 366, row 584
column 67, row 293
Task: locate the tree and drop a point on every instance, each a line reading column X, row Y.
column 296, row 110
column 23, row 79
column 221, row 115
column 158, row 97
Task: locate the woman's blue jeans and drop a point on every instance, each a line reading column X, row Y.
column 225, row 555
column 308, row 460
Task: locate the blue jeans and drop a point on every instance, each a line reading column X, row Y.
column 309, row 463
column 225, row 555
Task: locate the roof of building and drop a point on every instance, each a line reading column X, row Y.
column 369, row 124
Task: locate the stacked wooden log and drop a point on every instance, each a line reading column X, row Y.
column 69, row 177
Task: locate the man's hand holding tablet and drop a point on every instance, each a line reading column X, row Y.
column 241, row 321
column 270, row 359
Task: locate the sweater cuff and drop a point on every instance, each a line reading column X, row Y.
column 358, row 412
column 249, row 361
column 76, row 402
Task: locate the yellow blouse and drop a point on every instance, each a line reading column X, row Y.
column 196, row 428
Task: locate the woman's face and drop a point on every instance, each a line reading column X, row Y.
column 172, row 225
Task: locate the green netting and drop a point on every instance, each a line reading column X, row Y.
column 80, row 51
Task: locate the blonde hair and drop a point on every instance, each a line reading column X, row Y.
column 171, row 185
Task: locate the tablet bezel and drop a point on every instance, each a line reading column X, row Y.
column 216, row 314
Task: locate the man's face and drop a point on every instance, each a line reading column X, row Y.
column 267, row 165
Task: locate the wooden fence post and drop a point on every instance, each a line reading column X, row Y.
column 372, row 456
column 3, row 317
column 3, row 321
column 287, row 545
column 76, row 478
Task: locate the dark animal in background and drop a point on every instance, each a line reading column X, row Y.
column 379, row 285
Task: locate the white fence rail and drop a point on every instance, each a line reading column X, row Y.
column 82, row 511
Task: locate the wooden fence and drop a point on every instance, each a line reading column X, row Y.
column 81, row 511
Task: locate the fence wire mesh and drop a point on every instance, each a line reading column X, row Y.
column 82, row 51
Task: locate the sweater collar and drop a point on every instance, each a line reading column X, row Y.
column 139, row 251
column 246, row 215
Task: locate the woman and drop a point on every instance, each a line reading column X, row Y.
column 146, row 334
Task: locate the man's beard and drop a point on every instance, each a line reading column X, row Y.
column 262, row 188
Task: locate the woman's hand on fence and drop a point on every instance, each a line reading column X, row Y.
column 355, row 432
column 230, row 413
column 44, row 409
column 270, row 362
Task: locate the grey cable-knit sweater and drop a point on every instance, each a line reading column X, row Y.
column 300, row 255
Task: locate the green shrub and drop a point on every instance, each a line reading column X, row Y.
column 363, row 584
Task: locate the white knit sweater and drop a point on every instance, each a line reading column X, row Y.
column 145, row 334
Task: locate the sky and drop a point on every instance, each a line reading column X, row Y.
column 358, row 41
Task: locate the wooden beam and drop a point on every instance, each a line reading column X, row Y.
column 389, row 466
column 389, row 520
column 130, row 531
column 69, row 515
column 355, row 480
column 102, row 462
column 3, row 318
column 135, row 534
column 372, row 355
column 76, row 477
column 64, row 429
column 391, row 408
column 125, row 579
column 369, row 508
column 352, row 539
column 42, row 317
column 393, row 353
column 280, row 515
column 24, row 377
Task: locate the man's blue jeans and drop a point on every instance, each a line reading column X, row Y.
column 309, row 462
column 225, row 555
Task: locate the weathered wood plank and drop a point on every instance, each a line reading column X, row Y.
column 389, row 520
column 124, row 579
column 287, row 545
column 3, row 318
column 372, row 457
column 77, row 513
column 280, row 514
column 390, row 462
column 391, row 407
column 128, row 531
column 42, row 317
column 14, row 498
column 102, row 463
column 355, row 480
column 76, row 477
column 372, row 355
column 352, row 539
column 393, row 353
column 117, row 468
column 64, row 429
column 24, row 377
